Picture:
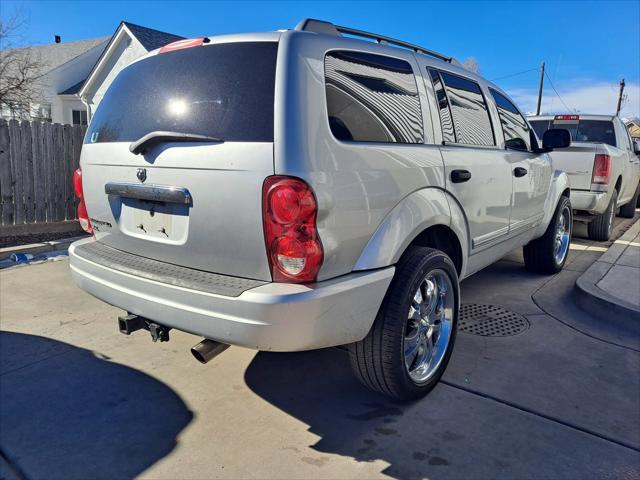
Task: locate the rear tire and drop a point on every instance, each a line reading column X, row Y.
column 408, row 347
column 549, row 253
column 629, row 210
column 601, row 226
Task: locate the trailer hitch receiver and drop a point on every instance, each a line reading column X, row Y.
column 131, row 323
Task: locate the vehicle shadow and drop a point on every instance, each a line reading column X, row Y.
column 318, row 388
column 449, row 434
column 67, row 412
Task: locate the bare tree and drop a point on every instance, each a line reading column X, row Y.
column 19, row 69
column 472, row 65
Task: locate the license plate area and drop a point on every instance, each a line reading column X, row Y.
column 154, row 221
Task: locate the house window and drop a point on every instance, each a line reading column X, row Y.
column 40, row 111
column 79, row 117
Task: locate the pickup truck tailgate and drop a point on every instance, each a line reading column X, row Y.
column 577, row 161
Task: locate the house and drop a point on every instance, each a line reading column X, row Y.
column 59, row 66
column 75, row 75
column 128, row 43
column 633, row 125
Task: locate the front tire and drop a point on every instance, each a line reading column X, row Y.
column 601, row 226
column 629, row 210
column 409, row 345
column 548, row 253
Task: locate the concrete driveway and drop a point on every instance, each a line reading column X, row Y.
column 560, row 399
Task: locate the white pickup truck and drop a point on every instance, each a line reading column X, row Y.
column 603, row 167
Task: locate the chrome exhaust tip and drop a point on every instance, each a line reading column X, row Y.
column 207, row 350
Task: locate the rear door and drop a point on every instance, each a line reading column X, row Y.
column 190, row 203
column 531, row 172
column 476, row 173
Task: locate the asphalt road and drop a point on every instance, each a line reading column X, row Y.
column 78, row 400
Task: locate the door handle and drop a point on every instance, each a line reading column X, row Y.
column 459, row 176
column 519, row 171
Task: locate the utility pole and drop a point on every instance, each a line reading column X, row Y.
column 540, row 90
column 620, row 97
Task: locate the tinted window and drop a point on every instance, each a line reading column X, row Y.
column 448, row 133
column 371, row 98
column 540, row 126
column 224, row 91
column 514, row 126
column 470, row 116
column 596, row 131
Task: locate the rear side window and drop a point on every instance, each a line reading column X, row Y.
column 594, row 131
column 372, row 98
column 514, row 126
column 448, row 132
column 224, row 91
column 469, row 111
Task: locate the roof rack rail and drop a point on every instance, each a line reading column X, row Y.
column 321, row 26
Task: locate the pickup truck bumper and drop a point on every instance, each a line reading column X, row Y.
column 591, row 202
column 271, row 316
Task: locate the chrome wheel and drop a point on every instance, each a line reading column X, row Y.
column 612, row 216
column 429, row 325
column 563, row 235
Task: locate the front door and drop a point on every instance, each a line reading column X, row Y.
column 530, row 173
column 531, row 177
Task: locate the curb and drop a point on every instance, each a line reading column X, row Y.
column 35, row 248
column 599, row 303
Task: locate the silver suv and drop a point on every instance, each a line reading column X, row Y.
column 303, row 189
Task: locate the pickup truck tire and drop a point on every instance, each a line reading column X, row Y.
column 600, row 227
column 408, row 347
column 629, row 210
column 549, row 253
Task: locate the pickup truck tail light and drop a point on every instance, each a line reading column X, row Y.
column 601, row 170
column 289, row 211
column 83, row 216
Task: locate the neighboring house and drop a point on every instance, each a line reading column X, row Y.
column 75, row 75
column 633, row 125
column 60, row 65
column 128, row 43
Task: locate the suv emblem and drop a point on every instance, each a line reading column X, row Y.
column 141, row 174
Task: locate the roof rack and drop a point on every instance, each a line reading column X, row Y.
column 321, row 26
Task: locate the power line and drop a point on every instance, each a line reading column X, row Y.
column 514, row 74
column 554, row 89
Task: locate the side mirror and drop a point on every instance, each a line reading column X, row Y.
column 636, row 147
column 556, row 138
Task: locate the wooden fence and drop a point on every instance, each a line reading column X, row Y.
column 37, row 161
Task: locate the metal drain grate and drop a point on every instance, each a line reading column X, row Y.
column 490, row 321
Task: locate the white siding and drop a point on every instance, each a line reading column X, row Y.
column 123, row 53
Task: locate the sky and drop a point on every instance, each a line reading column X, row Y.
column 587, row 46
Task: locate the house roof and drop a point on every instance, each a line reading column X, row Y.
column 56, row 54
column 73, row 89
column 150, row 38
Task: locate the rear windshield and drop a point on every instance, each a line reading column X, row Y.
column 596, row 131
column 224, row 91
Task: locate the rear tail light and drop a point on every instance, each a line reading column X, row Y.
column 601, row 170
column 83, row 216
column 289, row 211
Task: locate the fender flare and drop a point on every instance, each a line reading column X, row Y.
column 559, row 183
column 415, row 213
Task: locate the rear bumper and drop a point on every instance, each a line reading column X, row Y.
column 592, row 202
column 273, row 316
